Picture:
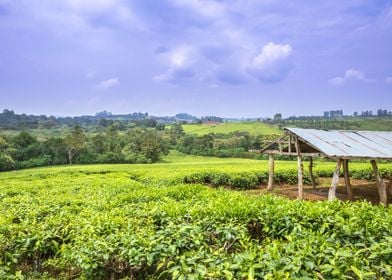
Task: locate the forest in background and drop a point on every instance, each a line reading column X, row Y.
column 30, row 141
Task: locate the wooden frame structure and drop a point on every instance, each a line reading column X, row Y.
column 303, row 143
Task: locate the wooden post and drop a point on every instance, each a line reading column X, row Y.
column 382, row 191
column 271, row 167
column 289, row 150
column 300, row 178
column 390, row 185
column 347, row 179
column 300, row 170
column 311, row 172
column 335, row 181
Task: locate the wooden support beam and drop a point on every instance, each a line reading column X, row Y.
column 347, row 179
column 289, row 144
column 311, row 172
column 335, row 181
column 276, row 152
column 300, row 170
column 382, row 191
column 271, row 167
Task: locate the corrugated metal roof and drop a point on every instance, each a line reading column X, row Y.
column 345, row 143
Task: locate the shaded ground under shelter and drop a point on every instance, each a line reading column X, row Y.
column 338, row 145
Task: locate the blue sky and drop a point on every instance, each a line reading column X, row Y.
column 245, row 58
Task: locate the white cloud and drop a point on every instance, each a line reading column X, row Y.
column 214, row 65
column 181, row 61
column 272, row 63
column 109, row 83
column 350, row 75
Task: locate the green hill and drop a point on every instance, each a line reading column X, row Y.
column 253, row 128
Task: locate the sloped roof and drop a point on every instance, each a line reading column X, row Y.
column 347, row 144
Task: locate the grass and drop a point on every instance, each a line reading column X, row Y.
column 375, row 124
column 254, row 128
column 346, row 123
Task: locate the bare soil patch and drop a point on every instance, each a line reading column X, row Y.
column 362, row 190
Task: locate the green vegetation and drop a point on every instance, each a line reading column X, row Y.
column 253, row 128
column 142, row 222
column 111, row 145
column 139, row 138
column 342, row 123
column 40, row 134
column 137, row 145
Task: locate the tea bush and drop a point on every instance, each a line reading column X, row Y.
column 143, row 222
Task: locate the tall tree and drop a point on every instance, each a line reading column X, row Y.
column 6, row 161
column 176, row 132
column 144, row 146
column 75, row 142
column 25, row 147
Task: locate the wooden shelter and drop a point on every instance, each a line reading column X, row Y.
column 341, row 146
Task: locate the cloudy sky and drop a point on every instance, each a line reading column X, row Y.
column 241, row 58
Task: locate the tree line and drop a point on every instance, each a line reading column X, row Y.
column 137, row 145
column 234, row 144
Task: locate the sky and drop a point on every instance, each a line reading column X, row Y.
column 233, row 58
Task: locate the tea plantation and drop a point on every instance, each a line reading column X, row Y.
column 162, row 221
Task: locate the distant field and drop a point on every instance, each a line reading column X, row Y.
column 253, row 128
column 347, row 123
column 382, row 124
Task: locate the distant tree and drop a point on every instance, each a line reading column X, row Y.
column 152, row 146
column 24, row 147
column 277, row 117
column 144, row 146
column 23, row 140
column 160, row 126
column 56, row 149
column 75, row 141
column 112, row 139
column 176, row 132
column 98, row 143
column 48, row 124
column 103, row 122
column 6, row 161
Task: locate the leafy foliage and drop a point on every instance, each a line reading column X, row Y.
column 136, row 146
column 141, row 222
